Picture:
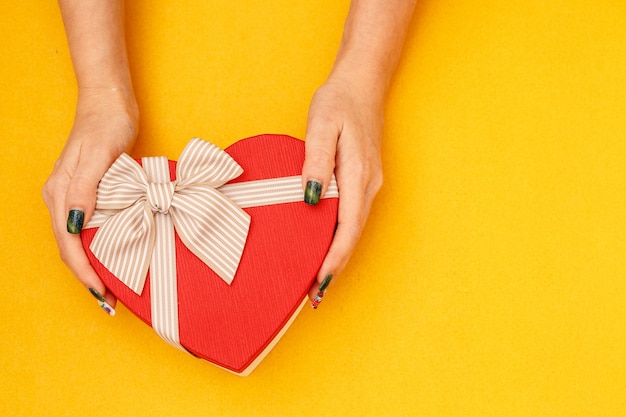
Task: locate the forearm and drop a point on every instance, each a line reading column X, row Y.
column 95, row 34
column 372, row 42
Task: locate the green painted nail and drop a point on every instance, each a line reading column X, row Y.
column 97, row 295
column 75, row 221
column 326, row 282
column 312, row 192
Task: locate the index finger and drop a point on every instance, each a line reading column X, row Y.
column 353, row 210
column 71, row 248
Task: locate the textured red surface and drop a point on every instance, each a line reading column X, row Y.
column 231, row 325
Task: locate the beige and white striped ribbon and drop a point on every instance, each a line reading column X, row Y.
column 138, row 209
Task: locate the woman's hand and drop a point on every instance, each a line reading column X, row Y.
column 105, row 126
column 343, row 135
column 345, row 123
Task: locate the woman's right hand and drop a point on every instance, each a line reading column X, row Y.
column 105, row 126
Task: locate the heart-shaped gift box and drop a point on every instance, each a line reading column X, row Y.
column 232, row 322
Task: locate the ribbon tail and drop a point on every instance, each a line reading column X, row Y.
column 163, row 283
column 163, row 275
column 123, row 244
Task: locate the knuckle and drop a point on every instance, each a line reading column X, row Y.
column 355, row 228
column 79, row 184
column 319, row 156
column 82, row 186
column 321, row 118
column 323, row 127
column 369, row 173
column 49, row 190
column 352, row 231
column 56, row 183
column 46, row 192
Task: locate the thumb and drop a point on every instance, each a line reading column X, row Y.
column 319, row 160
column 80, row 199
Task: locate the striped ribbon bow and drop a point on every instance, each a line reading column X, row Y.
column 139, row 200
column 138, row 208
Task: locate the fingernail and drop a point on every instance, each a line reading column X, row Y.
column 326, row 282
column 102, row 302
column 75, row 221
column 312, row 192
column 321, row 291
column 317, row 299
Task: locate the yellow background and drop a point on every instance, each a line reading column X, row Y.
column 490, row 280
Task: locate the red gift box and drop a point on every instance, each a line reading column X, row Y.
column 231, row 321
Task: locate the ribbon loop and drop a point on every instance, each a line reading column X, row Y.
column 210, row 166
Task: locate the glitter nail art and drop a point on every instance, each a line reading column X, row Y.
column 102, row 302
column 321, row 291
column 317, row 299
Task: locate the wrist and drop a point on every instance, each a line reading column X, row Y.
column 372, row 41
column 112, row 110
column 362, row 79
column 110, row 100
